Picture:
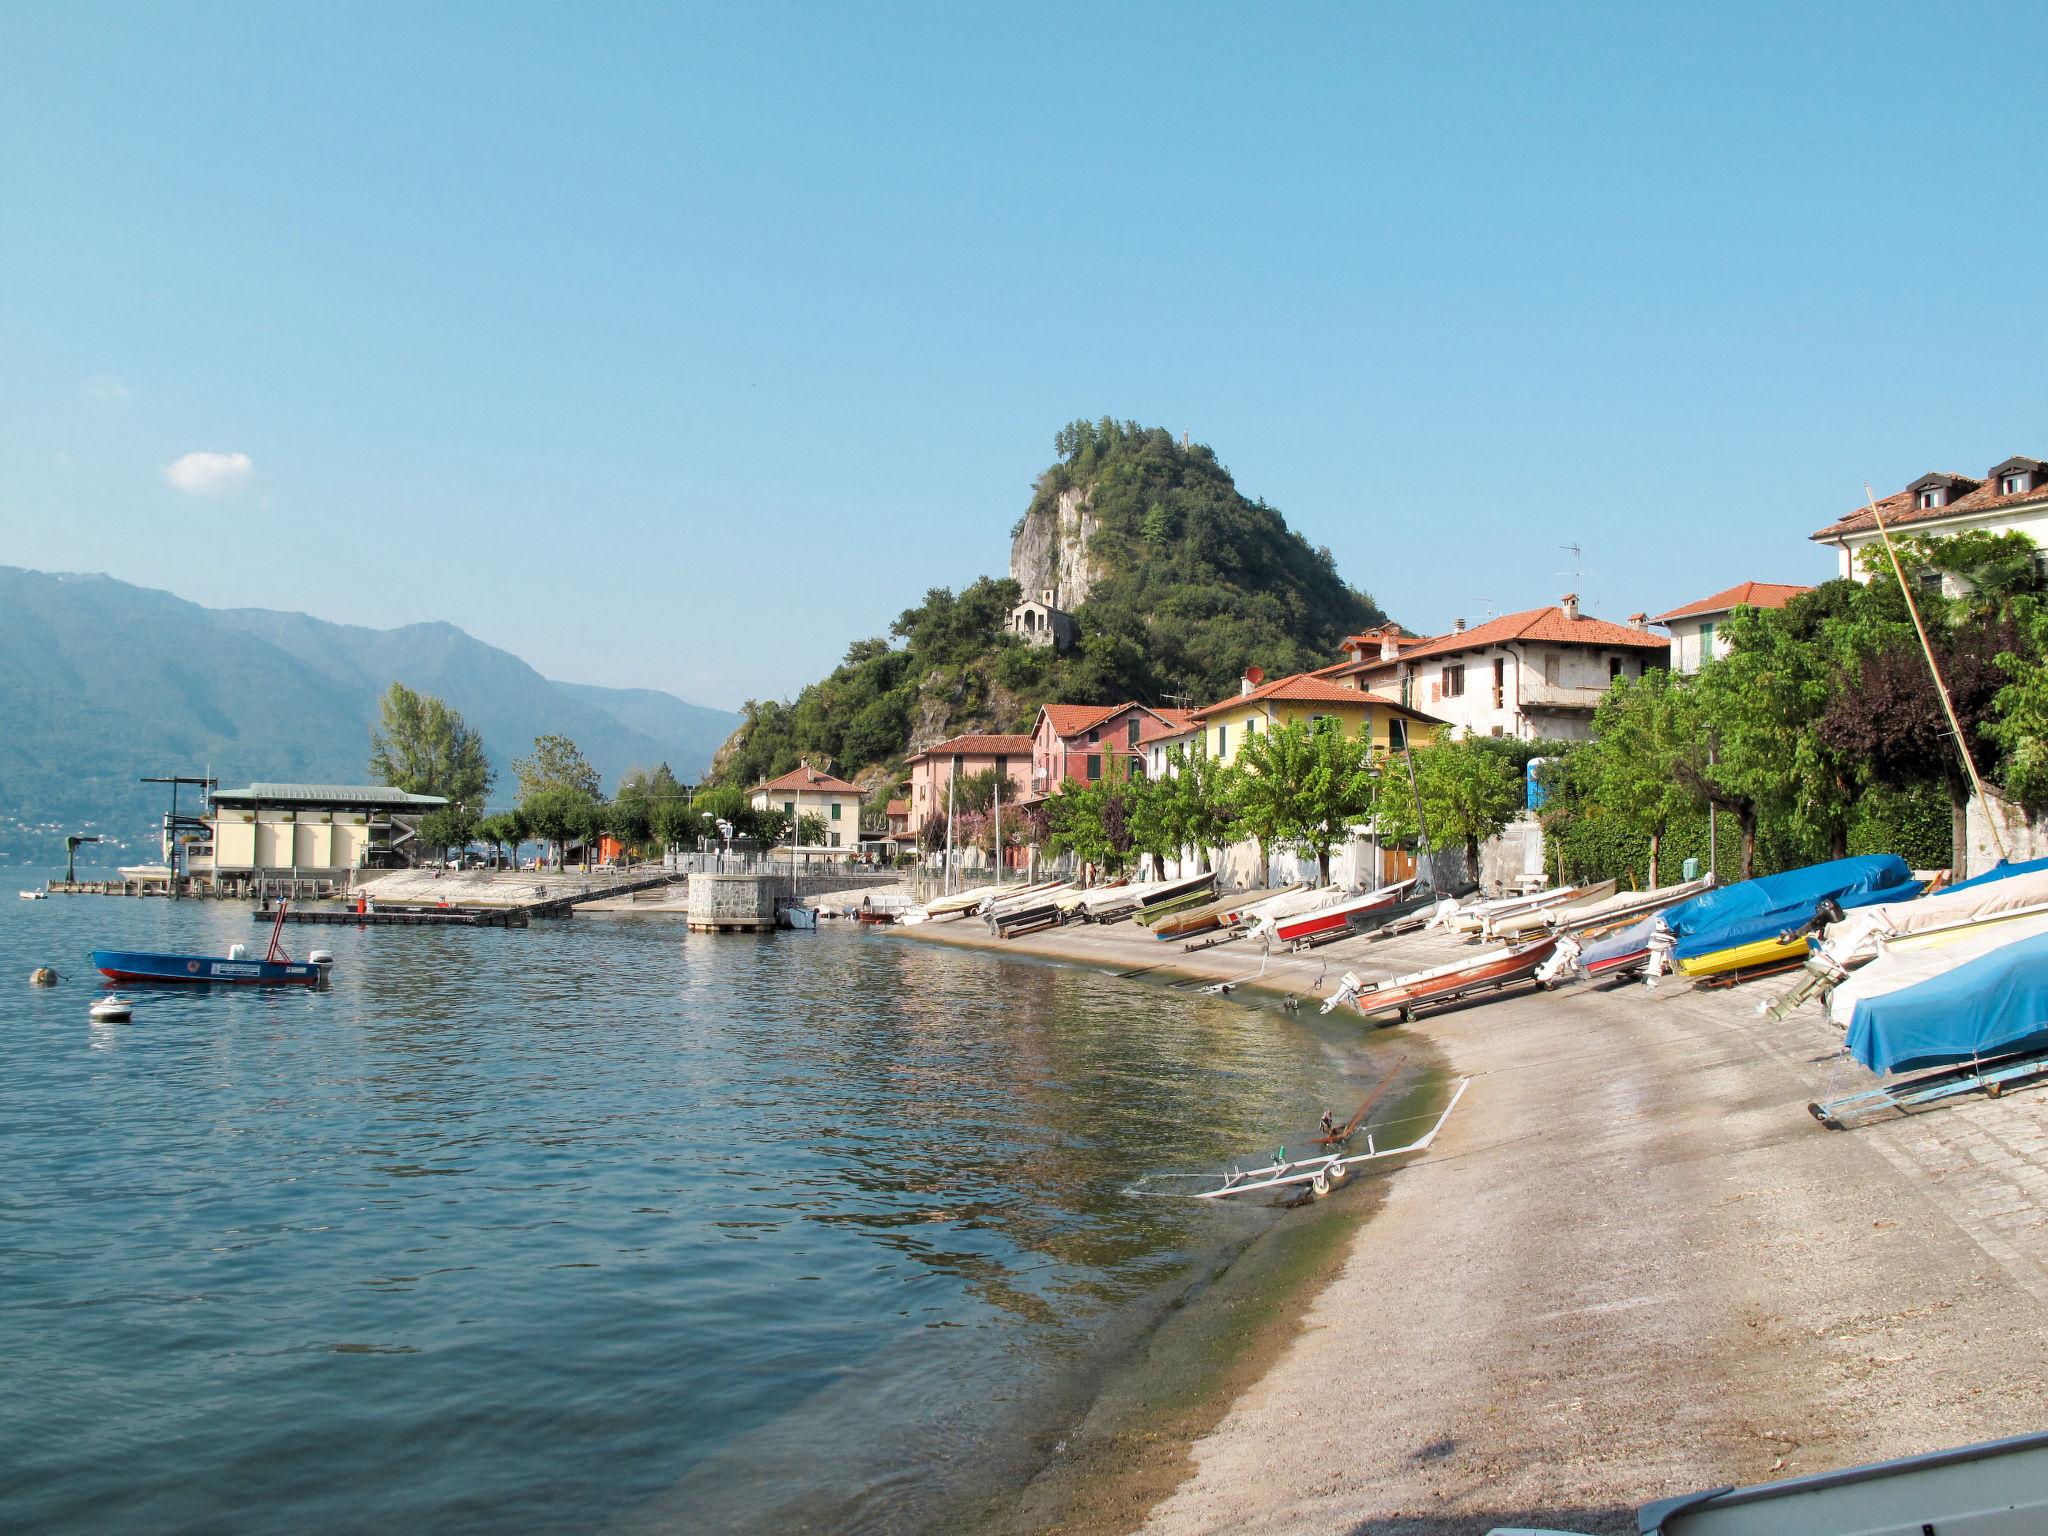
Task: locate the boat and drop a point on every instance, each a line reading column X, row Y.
column 1625, row 907
column 875, row 916
column 111, row 1010
column 959, row 904
column 1997, row 1488
column 275, row 969
column 1765, row 922
column 799, row 917
column 1974, row 1007
column 2002, row 896
column 1322, row 924
column 1403, row 995
column 1543, row 911
column 35, row 895
column 1222, row 912
column 1728, row 917
column 1474, row 920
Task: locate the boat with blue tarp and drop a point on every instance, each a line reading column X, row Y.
column 1759, row 922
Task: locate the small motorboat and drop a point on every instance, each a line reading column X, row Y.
column 275, row 969
column 111, row 1009
column 801, row 918
column 1305, row 929
column 1402, row 995
column 35, row 895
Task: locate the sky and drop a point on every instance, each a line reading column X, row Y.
column 679, row 346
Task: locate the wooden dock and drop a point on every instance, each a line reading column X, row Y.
column 404, row 917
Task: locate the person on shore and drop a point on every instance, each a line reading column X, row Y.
column 1329, row 1125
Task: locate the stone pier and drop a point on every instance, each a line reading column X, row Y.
column 734, row 903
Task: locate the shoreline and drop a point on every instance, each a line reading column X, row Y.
column 1631, row 1267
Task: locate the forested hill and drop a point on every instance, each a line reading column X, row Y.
column 1178, row 580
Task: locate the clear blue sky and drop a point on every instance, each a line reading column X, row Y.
column 679, row 346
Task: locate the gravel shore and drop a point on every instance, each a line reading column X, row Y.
column 1632, row 1266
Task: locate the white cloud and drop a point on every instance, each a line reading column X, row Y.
column 208, row 474
column 106, row 388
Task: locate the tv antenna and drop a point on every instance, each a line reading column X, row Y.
column 1578, row 572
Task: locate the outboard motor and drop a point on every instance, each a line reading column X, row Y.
column 1563, row 963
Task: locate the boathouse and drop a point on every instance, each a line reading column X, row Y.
column 266, row 833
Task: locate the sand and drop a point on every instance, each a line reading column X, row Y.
column 1632, row 1266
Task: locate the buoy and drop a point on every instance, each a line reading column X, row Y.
column 42, row 976
column 117, row 1010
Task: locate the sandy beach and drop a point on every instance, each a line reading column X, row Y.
column 1632, row 1266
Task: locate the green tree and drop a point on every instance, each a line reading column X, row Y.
column 811, row 830
column 556, row 763
column 676, row 823
column 1302, row 785
column 630, row 820
column 1647, row 761
column 2019, row 722
column 425, row 748
column 558, row 814
column 1470, row 789
column 446, row 828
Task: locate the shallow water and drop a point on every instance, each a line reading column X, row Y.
column 589, row 1226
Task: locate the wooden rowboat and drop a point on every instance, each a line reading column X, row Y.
column 1403, row 995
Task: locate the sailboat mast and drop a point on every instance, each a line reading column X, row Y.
column 1940, row 687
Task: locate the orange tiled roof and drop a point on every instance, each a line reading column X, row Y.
column 976, row 745
column 807, row 777
column 897, row 808
column 1073, row 719
column 1301, row 687
column 1172, row 724
column 1744, row 594
column 1545, row 624
column 1903, row 507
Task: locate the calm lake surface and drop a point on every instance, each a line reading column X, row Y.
column 591, row 1227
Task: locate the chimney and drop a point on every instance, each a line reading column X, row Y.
column 1457, row 626
column 1570, row 604
column 1639, row 621
column 1253, row 676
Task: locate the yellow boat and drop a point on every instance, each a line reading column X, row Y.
column 1742, row 956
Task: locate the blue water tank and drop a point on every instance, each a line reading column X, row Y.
column 1537, row 794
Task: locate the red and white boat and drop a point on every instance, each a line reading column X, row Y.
column 1402, row 995
column 1306, row 927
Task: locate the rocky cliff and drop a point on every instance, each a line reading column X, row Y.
column 1052, row 553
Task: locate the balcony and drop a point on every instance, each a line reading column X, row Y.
column 1560, row 699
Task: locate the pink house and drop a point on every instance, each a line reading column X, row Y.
column 962, row 757
column 1084, row 742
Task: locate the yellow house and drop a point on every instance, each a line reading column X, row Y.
column 1264, row 706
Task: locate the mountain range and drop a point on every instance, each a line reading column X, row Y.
column 102, row 682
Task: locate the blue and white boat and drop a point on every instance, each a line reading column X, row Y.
column 275, row 969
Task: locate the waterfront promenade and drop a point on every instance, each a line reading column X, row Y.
column 1632, row 1266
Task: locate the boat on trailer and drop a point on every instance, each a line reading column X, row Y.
column 1549, row 917
column 1322, row 924
column 1971, row 1014
column 275, row 969
column 1403, row 995
column 1998, row 1488
column 2006, row 895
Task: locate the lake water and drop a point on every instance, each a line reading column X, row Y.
column 594, row 1226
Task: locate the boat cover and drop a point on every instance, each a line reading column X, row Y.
column 2003, row 871
column 1751, row 910
column 1936, row 954
column 2010, row 889
column 1632, row 940
column 1991, row 1005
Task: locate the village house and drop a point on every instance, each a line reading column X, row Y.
column 1086, row 742
column 2012, row 497
column 1535, row 674
column 1158, row 740
column 961, row 757
column 1261, row 705
column 804, row 791
column 1694, row 625
column 1036, row 621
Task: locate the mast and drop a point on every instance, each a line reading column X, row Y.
column 999, row 831
column 1940, row 687
column 946, row 886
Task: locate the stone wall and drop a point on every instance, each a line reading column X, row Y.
column 2025, row 837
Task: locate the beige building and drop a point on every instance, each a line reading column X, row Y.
column 308, row 831
column 2010, row 497
column 804, row 791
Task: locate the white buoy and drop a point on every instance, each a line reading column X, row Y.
column 112, row 1010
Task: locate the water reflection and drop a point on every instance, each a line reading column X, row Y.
column 533, row 1228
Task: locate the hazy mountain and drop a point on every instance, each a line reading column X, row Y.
column 102, row 682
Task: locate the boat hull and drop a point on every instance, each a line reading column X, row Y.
column 1740, row 957
column 137, row 966
column 1516, row 965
